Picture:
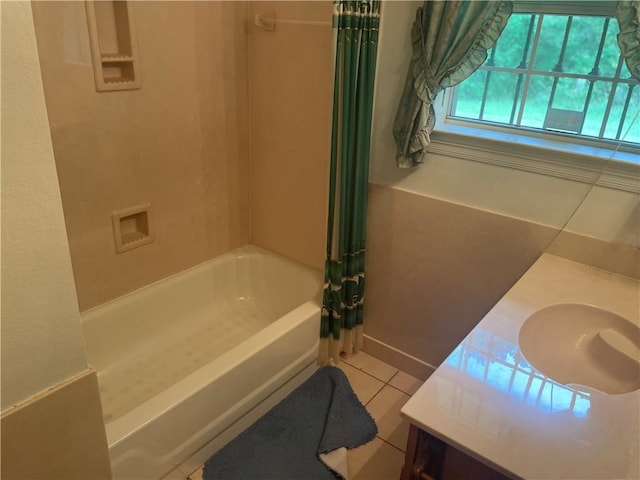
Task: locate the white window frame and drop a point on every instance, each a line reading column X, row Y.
column 538, row 152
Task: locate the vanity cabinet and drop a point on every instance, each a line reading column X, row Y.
column 429, row 458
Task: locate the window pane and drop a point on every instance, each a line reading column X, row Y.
column 570, row 94
column 596, row 109
column 611, row 52
column 470, row 91
column 550, row 42
column 613, row 122
column 631, row 133
column 562, row 92
column 583, row 43
column 511, row 43
column 500, row 97
column 537, row 101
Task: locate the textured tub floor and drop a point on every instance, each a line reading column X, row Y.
column 159, row 364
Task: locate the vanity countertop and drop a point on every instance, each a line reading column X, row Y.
column 488, row 402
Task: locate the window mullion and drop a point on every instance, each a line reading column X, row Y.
column 548, row 73
column 559, row 65
column 453, row 101
column 527, row 80
column 623, row 115
column 612, row 94
column 487, row 81
column 596, row 65
column 595, row 71
column 524, row 64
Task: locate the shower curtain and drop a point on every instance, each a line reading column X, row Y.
column 355, row 26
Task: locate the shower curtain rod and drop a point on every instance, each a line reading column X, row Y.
column 268, row 21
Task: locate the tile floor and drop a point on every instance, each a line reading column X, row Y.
column 383, row 389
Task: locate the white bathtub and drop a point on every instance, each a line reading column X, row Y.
column 188, row 362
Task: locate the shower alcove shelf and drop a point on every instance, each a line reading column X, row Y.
column 113, row 45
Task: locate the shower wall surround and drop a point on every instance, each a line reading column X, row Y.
column 226, row 140
column 179, row 143
column 290, row 94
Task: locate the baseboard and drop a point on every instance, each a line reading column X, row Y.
column 397, row 358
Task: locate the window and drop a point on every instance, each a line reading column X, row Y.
column 556, row 72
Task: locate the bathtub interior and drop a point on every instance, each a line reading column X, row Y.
column 146, row 341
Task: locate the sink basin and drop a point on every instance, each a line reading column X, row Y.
column 583, row 345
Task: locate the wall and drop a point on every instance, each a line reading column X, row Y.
column 536, row 197
column 51, row 419
column 434, row 268
column 290, row 91
column 42, row 340
column 182, row 142
column 57, row 434
column 179, row 143
column 447, row 239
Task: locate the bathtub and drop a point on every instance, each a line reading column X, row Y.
column 187, row 363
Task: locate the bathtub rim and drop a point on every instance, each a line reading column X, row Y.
column 239, row 252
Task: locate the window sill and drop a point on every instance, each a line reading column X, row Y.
column 580, row 163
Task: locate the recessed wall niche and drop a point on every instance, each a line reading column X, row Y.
column 113, row 45
column 132, row 227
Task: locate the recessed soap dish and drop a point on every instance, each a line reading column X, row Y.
column 132, row 227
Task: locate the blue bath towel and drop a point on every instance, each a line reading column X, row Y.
column 321, row 415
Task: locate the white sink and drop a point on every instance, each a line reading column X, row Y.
column 584, row 345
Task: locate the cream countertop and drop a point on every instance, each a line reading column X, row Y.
column 487, row 401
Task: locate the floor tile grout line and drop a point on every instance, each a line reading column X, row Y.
column 385, row 384
column 390, row 444
column 382, row 388
column 398, row 390
column 367, row 373
column 393, row 376
column 345, row 360
column 375, row 395
column 371, row 375
column 388, row 382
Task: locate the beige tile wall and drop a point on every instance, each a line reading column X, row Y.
column 290, row 91
column 435, row 268
column 179, row 143
column 57, row 434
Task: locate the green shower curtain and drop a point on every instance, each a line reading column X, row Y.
column 355, row 26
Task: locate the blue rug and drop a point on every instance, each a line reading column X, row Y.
column 322, row 415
